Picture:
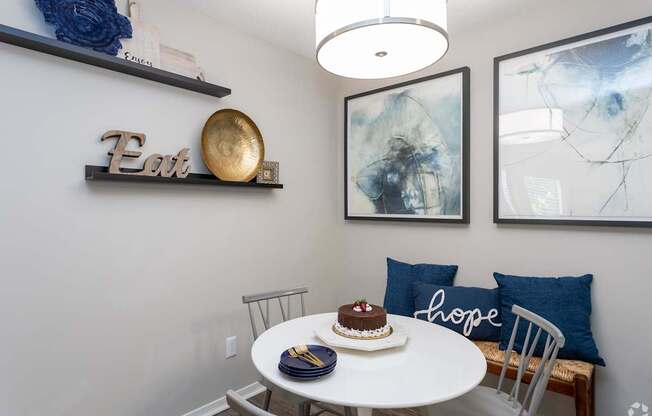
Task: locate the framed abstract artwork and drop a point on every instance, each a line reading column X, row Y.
column 573, row 130
column 407, row 151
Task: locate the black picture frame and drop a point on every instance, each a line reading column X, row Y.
column 496, row 132
column 466, row 151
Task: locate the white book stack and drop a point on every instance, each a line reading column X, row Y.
column 179, row 62
column 145, row 48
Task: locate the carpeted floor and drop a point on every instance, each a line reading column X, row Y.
column 282, row 408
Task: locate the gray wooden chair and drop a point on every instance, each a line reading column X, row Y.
column 496, row 402
column 242, row 407
column 260, row 303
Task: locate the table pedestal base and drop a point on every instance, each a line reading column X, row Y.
column 357, row 411
column 364, row 411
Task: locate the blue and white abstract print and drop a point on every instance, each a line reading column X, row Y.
column 404, row 149
column 595, row 160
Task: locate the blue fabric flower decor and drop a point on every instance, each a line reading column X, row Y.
column 94, row 24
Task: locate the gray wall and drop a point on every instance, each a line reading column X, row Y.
column 115, row 299
column 619, row 258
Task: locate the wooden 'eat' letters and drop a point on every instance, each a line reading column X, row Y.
column 155, row 165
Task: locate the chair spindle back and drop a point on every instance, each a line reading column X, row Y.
column 242, row 407
column 262, row 301
column 554, row 342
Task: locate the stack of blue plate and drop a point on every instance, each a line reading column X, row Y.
column 300, row 369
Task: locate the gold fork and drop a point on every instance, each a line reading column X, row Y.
column 294, row 354
column 304, row 350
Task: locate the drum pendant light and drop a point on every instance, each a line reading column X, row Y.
column 372, row 39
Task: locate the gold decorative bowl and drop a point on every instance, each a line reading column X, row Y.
column 232, row 146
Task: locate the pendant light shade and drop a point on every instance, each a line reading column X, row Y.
column 372, row 39
column 535, row 125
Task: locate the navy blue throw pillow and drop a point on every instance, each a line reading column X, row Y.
column 564, row 301
column 471, row 311
column 399, row 298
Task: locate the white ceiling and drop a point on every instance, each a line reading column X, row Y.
column 290, row 23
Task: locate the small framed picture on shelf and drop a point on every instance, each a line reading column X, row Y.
column 268, row 172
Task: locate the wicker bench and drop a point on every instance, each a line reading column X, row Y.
column 571, row 378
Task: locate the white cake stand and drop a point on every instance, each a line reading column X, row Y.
column 398, row 338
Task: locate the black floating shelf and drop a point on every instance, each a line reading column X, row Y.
column 55, row 47
column 101, row 173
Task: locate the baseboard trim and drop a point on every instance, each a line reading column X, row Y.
column 220, row 404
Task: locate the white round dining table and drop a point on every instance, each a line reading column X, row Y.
column 435, row 365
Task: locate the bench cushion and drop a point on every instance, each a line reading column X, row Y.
column 565, row 370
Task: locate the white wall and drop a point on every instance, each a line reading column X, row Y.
column 619, row 258
column 115, row 299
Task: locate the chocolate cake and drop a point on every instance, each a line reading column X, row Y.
column 362, row 320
